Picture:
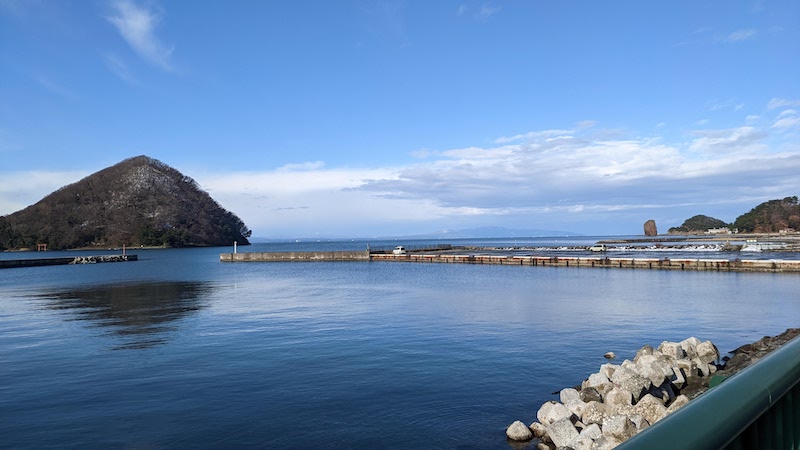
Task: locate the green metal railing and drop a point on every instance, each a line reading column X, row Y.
column 758, row 408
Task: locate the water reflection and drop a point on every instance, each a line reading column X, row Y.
column 143, row 314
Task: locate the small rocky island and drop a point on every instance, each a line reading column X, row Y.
column 137, row 202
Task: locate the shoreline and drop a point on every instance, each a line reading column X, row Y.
column 622, row 400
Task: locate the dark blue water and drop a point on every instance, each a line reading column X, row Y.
column 180, row 350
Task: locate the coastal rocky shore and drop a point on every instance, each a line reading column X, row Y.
column 620, row 400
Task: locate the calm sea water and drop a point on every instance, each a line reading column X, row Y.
column 180, row 350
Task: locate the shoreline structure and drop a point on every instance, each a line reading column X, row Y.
column 463, row 255
column 621, row 400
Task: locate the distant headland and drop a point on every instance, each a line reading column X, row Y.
column 139, row 202
column 773, row 216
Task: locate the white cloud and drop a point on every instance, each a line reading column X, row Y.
column 787, row 119
column 787, row 122
column 731, row 104
column 588, row 174
column 487, row 11
column 119, row 68
column 574, row 180
column 782, row 103
column 740, row 35
column 54, row 87
column 558, row 179
column 531, row 135
column 137, row 26
column 733, row 140
column 305, row 199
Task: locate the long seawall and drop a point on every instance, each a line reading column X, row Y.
column 720, row 265
column 36, row 262
column 734, row 265
column 295, row 256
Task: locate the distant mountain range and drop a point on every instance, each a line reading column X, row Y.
column 138, row 202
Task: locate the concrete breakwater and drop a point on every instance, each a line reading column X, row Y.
column 733, row 265
column 36, row 262
column 620, row 400
column 295, row 256
column 722, row 265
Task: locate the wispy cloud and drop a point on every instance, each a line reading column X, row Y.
column 731, row 104
column 486, row 11
column 532, row 135
column 739, row 35
column 728, row 141
column 137, row 26
column 481, row 14
column 54, row 87
column 120, row 68
column 787, row 122
column 782, row 103
column 787, row 119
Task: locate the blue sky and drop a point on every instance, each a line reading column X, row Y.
column 374, row 118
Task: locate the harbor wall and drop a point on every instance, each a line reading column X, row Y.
column 735, row 265
column 36, row 262
column 362, row 255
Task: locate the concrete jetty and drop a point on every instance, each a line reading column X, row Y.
column 734, row 265
column 36, row 262
column 502, row 258
column 362, row 255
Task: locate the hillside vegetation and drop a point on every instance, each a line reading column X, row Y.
column 770, row 217
column 140, row 201
column 698, row 223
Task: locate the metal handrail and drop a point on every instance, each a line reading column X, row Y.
column 769, row 388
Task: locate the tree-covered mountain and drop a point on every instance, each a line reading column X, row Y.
column 770, row 217
column 140, row 201
column 698, row 223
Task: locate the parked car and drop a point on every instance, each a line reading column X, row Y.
column 399, row 250
column 598, row 248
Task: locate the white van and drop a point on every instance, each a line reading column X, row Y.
column 399, row 250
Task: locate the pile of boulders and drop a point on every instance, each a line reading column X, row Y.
column 620, row 400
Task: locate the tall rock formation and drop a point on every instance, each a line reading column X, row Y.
column 140, row 201
column 650, row 228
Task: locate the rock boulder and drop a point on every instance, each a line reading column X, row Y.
column 650, row 228
column 518, row 431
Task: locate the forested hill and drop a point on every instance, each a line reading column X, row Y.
column 140, row 201
column 698, row 224
column 771, row 217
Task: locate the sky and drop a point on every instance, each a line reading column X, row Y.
column 379, row 118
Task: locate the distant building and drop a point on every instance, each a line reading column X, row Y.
column 722, row 230
column 787, row 231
